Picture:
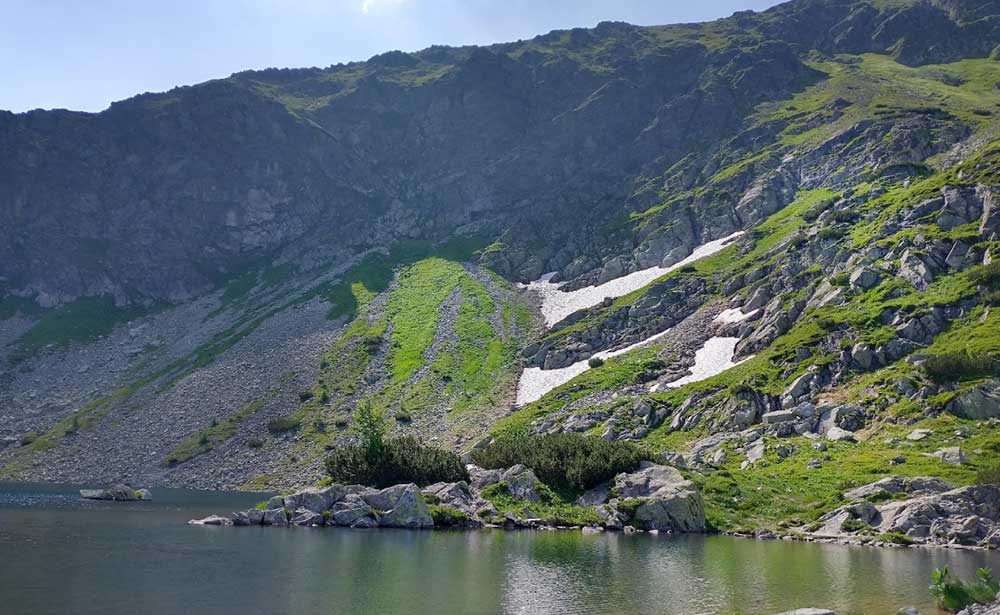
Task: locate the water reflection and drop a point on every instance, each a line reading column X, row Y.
column 127, row 559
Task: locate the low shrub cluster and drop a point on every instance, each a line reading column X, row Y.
column 399, row 460
column 381, row 462
column 282, row 424
column 568, row 461
column 957, row 366
column 954, row 594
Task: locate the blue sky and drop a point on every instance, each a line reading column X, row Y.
column 83, row 54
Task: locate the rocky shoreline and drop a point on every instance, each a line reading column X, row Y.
column 655, row 498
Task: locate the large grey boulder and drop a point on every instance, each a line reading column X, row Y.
column 306, row 517
column 522, row 483
column 211, row 520
column 978, row 403
column 316, row 499
column 668, row 501
column 400, row 506
column 352, row 511
column 275, row 516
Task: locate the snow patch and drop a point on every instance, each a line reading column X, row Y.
column 557, row 304
column 715, row 357
column 536, row 382
column 733, row 315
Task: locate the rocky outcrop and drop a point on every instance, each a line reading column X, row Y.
column 657, row 497
column 401, row 506
column 981, row 402
column 117, row 493
column 933, row 513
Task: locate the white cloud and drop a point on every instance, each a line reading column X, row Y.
column 367, row 6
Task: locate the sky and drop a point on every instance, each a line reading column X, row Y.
column 84, row 54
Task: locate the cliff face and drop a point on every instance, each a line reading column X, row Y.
column 552, row 141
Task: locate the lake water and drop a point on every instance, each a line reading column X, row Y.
column 59, row 554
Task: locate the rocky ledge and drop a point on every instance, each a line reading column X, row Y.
column 655, row 498
column 919, row 511
column 117, row 493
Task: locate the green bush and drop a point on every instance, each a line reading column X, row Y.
column 282, row 424
column 446, row 516
column 988, row 476
column 255, row 443
column 28, row 438
column 854, row 525
column 400, row 460
column 954, row 594
column 896, row 538
column 841, row 279
column 570, row 461
column 595, row 362
column 957, row 366
column 986, row 275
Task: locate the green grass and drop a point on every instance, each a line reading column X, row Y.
column 552, row 507
column 209, row 437
column 777, row 490
column 83, row 320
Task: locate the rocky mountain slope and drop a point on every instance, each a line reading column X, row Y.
column 199, row 286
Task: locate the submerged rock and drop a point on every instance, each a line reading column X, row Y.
column 117, row 493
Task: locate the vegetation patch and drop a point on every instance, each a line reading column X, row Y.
column 567, row 461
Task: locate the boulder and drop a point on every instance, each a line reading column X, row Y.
column 117, row 493
column 978, row 403
column 919, row 434
column 352, row 511
column 315, row 499
column 521, row 482
column 779, row 416
column 951, row 455
column 400, row 506
column 211, row 520
column 668, row 501
column 241, row 518
column 836, row 434
column 864, row 278
column 275, row 516
column 306, row 517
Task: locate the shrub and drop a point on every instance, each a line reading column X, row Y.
column 988, row 476
column 896, row 538
column 986, row 275
column 400, row 460
column 255, row 443
column 403, row 416
column 841, row 279
column 446, row 516
column 595, row 362
column 340, row 422
column 957, row 366
column 854, row 525
column 319, row 426
column 572, row 461
column 954, row 594
column 282, row 424
column 28, row 438
column 305, row 395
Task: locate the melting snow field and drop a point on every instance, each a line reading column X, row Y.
column 715, row 357
column 557, row 305
column 733, row 315
column 536, row 382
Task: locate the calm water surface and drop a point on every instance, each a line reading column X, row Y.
column 61, row 555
